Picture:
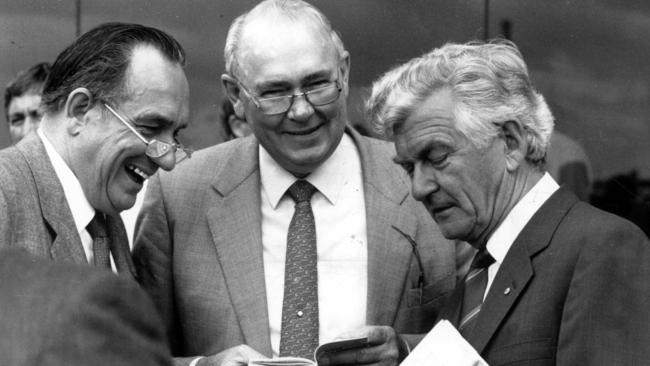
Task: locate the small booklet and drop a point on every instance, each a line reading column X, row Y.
column 322, row 350
column 443, row 345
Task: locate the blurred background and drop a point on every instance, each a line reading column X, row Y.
column 589, row 58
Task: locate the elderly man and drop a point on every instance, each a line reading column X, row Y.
column 23, row 100
column 227, row 257
column 555, row 281
column 113, row 104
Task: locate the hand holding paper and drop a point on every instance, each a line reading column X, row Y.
column 384, row 348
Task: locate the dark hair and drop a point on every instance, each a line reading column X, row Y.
column 98, row 61
column 30, row 80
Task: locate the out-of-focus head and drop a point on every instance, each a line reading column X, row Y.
column 287, row 75
column 467, row 125
column 23, row 100
column 111, row 93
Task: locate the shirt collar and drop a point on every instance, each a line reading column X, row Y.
column 328, row 178
column 503, row 237
column 82, row 211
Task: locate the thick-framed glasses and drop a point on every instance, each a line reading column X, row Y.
column 317, row 97
column 155, row 148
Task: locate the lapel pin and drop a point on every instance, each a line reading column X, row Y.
column 507, row 291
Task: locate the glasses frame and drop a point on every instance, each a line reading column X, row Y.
column 163, row 148
column 292, row 98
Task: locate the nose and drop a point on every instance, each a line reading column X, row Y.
column 301, row 109
column 167, row 161
column 423, row 182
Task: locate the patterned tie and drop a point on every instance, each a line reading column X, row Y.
column 299, row 333
column 474, row 290
column 97, row 230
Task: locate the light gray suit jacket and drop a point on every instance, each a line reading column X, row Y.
column 34, row 213
column 198, row 249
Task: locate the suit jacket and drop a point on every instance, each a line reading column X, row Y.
column 199, row 249
column 66, row 314
column 34, row 213
column 572, row 290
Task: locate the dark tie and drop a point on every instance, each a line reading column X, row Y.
column 101, row 246
column 299, row 333
column 474, row 289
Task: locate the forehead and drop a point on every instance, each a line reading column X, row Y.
column 25, row 101
column 156, row 85
column 284, row 50
column 430, row 122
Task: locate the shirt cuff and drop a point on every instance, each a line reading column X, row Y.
column 196, row 360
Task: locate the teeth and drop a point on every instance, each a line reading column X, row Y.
column 139, row 172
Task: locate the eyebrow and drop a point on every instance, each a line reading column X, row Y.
column 158, row 119
column 283, row 83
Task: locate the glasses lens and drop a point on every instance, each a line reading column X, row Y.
column 325, row 95
column 275, row 105
column 156, row 149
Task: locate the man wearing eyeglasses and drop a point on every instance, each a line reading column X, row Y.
column 113, row 104
column 218, row 237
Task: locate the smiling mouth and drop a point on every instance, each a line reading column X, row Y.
column 304, row 132
column 136, row 174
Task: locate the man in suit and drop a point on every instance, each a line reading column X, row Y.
column 23, row 101
column 112, row 105
column 212, row 237
column 54, row 313
column 555, row 280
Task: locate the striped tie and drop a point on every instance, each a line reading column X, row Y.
column 474, row 290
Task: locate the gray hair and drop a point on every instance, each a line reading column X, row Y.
column 490, row 84
column 291, row 9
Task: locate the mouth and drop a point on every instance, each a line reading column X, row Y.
column 136, row 174
column 305, row 131
column 440, row 209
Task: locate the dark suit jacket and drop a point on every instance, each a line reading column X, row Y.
column 64, row 314
column 199, row 249
column 572, row 290
column 34, row 213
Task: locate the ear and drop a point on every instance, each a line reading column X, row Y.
column 238, row 126
column 78, row 103
column 516, row 145
column 344, row 68
column 233, row 91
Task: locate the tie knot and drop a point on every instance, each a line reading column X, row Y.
column 482, row 259
column 97, row 226
column 301, row 191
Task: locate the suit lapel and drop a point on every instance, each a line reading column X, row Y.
column 389, row 253
column 66, row 243
column 517, row 268
column 235, row 224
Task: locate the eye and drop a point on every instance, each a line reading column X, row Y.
column 17, row 120
column 438, row 160
column 273, row 93
column 316, row 85
column 408, row 168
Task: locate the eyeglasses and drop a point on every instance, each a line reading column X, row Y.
column 156, row 149
column 281, row 104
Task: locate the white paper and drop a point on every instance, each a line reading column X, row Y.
column 443, row 346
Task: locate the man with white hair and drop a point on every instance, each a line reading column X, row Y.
column 555, row 280
column 240, row 270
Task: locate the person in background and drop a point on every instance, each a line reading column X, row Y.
column 113, row 104
column 237, row 268
column 555, row 280
column 23, row 100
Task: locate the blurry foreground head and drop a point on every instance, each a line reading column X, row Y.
column 470, row 130
column 23, row 100
column 287, row 76
column 114, row 103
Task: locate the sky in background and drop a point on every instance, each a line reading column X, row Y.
column 588, row 57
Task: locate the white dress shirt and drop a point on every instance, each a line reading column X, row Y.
column 82, row 211
column 340, row 218
column 501, row 240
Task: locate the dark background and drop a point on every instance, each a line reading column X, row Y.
column 590, row 58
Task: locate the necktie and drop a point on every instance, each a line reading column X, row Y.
column 101, row 246
column 474, row 289
column 299, row 333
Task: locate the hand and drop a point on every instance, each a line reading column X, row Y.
column 385, row 348
column 234, row 356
